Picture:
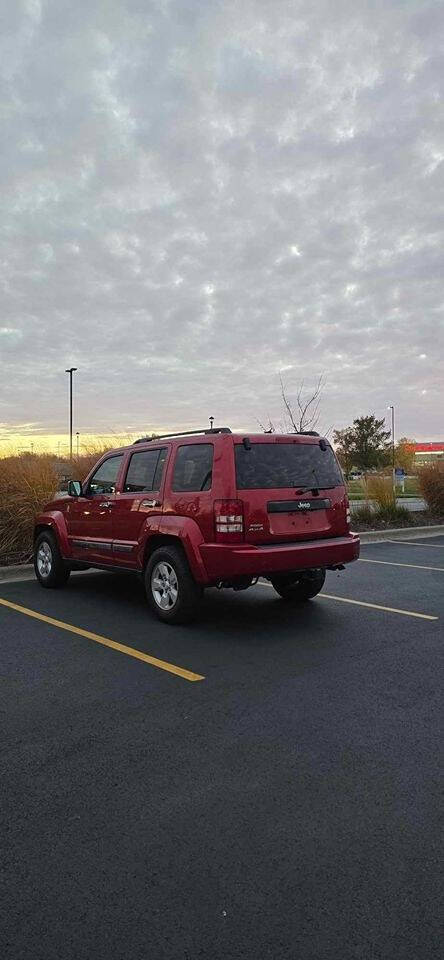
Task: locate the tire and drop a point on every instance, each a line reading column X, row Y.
column 299, row 587
column 49, row 565
column 177, row 596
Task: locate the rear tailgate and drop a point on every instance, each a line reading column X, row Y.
column 272, row 475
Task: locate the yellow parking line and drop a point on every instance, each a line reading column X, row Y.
column 373, row 606
column 390, row 563
column 120, row 647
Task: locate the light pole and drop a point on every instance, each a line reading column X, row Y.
column 391, row 407
column 77, row 435
column 70, row 370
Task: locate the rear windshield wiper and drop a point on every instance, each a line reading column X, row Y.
column 317, row 486
column 314, row 487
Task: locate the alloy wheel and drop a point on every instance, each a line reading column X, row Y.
column 164, row 585
column 44, row 559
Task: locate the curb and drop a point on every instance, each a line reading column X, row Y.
column 401, row 533
column 19, row 571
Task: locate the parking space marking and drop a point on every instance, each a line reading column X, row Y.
column 363, row 603
column 120, row 647
column 415, row 543
column 377, row 606
column 391, row 563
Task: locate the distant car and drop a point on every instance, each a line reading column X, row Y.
column 355, row 475
column 211, row 508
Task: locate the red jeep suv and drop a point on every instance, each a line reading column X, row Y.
column 200, row 509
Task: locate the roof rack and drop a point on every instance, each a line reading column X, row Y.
column 308, row 433
column 182, row 433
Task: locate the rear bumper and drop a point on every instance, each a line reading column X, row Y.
column 226, row 562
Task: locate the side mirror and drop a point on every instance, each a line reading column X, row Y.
column 74, row 488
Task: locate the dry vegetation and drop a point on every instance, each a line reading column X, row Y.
column 387, row 512
column 380, row 489
column 27, row 482
column 431, row 485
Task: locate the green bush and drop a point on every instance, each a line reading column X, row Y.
column 431, row 485
column 363, row 514
column 389, row 515
column 394, row 514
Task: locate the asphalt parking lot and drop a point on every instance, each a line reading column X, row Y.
column 261, row 784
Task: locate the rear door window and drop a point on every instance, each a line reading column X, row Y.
column 279, row 465
column 145, row 471
column 193, row 468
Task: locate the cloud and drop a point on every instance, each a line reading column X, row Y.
column 196, row 195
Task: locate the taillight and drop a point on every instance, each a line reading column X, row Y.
column 228, row 521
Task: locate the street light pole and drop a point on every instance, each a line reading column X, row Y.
column 77, row 435
column 70, row 370
column 391, row 407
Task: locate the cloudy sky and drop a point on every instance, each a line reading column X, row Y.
column 198, row 194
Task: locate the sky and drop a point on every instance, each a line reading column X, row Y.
column 200, row 194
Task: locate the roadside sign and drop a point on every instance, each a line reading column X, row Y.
column 400, row 478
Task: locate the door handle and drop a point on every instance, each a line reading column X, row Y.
column 150, row 503
column 106, row 503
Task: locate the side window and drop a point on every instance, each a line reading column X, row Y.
column 145, row 471
column 193, row 467
column 105, row 478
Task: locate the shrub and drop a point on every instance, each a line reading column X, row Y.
column 431, row 485
column 26, row 484
column 363, row 514
column 394, row 514
column 380, row 489
column 382, row 516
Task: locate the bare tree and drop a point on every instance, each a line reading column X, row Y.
column 306, row 413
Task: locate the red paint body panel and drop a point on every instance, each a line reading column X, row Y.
column 53, row 517
column 190, row 536
column 222, row 562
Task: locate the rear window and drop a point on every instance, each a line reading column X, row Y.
column 275, row 465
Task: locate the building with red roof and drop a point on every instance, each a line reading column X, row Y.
column 428, row 452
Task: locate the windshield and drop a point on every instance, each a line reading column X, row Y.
column 275, row 465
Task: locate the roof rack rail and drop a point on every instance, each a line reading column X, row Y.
column 181, row 433
column 309, row 433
